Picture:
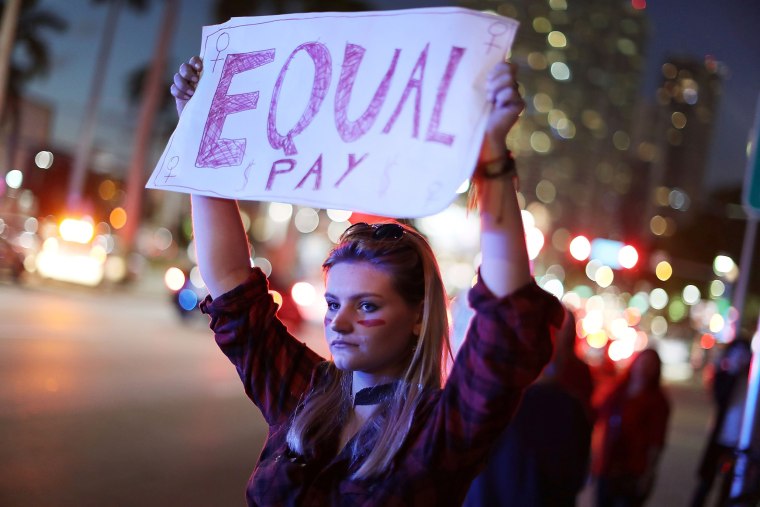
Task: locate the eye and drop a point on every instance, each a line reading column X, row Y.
column 332, row 306
column 368, row 307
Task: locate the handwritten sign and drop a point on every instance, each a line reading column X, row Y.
column 378, row 112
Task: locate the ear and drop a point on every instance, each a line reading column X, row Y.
column 417, row 329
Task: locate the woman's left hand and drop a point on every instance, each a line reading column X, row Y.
column 502, row 90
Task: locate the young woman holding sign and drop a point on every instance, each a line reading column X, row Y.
column 378, row 423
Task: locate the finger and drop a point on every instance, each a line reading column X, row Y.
column 180, row 83
column 183, row 86
column 188, row 72
column 501, row 82
column 179, row 94
column 196, row 63
column 499, row 68
column 503, row 69
column 506, row 94
column 508, row 97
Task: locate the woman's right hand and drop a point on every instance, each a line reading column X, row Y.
column 186, row 81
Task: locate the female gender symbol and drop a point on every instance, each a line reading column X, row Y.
column 222, row 43
column 496, row 30
column 173, row 163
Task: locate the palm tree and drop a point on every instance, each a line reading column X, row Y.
column 31, row 60
column 84, row 147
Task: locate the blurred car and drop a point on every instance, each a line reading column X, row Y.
column 11, row 261
column 71, row 255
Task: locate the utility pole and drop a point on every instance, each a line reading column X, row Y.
column 148, row 107
column 7, row 38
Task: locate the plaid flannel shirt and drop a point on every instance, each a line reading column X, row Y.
column 507, row 345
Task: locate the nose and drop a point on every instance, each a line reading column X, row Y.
column 341, row 321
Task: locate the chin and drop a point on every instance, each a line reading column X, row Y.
column 342, row 364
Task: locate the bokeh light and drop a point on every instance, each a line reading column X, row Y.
column 691, row 295
column 14, row 178
column 174, row 278
column 304, row 293
column 580, row 248
column 658, row 298
column 118, row 218
column 663, row 270
column 43, row 159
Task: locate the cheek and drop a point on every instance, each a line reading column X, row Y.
column 328, row 320
column 371, row 322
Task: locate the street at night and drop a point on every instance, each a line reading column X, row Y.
column 392, row 171
column 107, row 398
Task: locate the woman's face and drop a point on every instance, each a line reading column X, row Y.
column 369, row 327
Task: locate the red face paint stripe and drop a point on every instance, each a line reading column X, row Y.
column 371, row 322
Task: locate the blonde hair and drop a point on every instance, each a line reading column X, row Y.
column 414, row 271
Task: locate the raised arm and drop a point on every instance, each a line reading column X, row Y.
column 220, row 240
column 505, row 266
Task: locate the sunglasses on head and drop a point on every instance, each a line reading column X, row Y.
column 379, row 231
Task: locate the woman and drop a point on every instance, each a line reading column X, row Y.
column 375, row 425
column 632, row 425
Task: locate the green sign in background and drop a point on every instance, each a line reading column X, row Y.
column 752, row 177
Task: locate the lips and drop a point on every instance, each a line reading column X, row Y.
column 341, row 344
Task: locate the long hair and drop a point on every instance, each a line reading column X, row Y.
column 414, row 272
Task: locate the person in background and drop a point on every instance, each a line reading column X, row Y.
column 630, row 434
column 729, row 390
column 377, row 424
column 542, row 458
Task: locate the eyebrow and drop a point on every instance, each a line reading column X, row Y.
column 356, row 296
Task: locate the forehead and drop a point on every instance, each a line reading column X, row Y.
column 346, row 278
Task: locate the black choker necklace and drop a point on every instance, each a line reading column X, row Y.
column 375, row 394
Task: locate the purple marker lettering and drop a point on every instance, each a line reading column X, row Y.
column 353, row 130
column 352, row 163
column 414, row 83
column 274, row 171
column 440, row 99
column 320, row 55
column 315, row 169
column 215, row 152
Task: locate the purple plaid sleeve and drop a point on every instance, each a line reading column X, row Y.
column 275, row 368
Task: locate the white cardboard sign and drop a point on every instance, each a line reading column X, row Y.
column 378, row 112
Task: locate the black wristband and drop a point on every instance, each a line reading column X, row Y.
column 499, row 167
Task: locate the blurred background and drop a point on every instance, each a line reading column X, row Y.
column 632, row 153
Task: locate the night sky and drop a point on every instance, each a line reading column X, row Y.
column 696, row 28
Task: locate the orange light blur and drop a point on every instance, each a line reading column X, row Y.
column 707, row 341
column 118, row 218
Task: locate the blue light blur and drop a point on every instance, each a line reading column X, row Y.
column 606, row 251
column 187, row 299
